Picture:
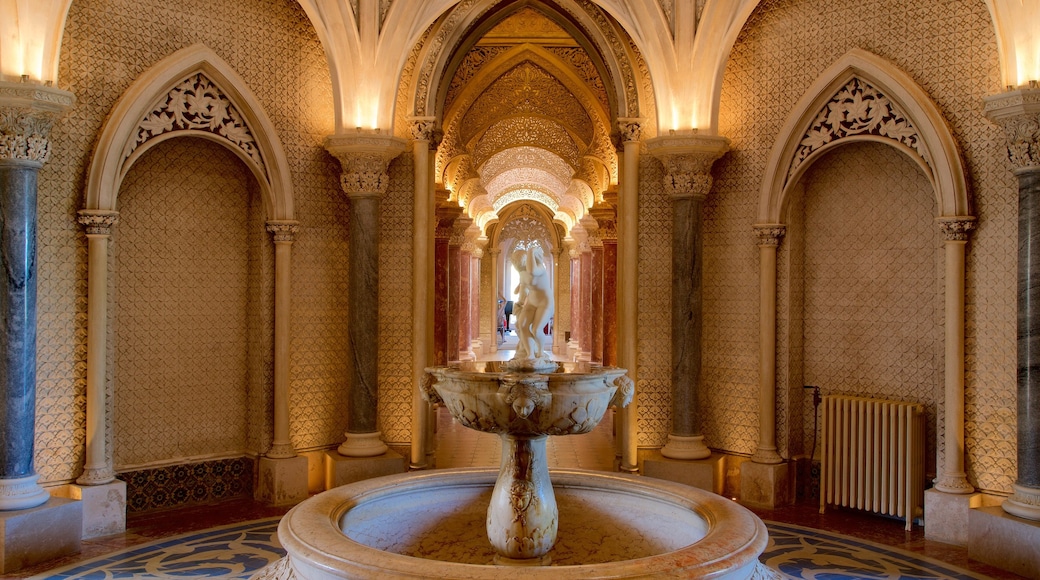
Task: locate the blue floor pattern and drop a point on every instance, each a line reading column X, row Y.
column 240, row 550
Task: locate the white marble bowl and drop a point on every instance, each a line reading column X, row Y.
column 431, row 525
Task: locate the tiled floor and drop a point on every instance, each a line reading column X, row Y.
column 461, row 447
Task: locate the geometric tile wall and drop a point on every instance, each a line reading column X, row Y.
column 949, row 49
column 188, row 484
column 273, row 47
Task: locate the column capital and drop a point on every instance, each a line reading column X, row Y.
column 1017, row 112
column 27, row 113
column 97, row 222
column 364, row 157
column 630, row 128
column 606, row 217
column 422, row 128
column 458, row 231
column 770, row 234
column 283, row 230
column 956, row 228
column 687, row 158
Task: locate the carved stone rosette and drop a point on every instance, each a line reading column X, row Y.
column 687, row 160
column 770, row 234
column 956, row 228
column 27, row 113
column 97, row 222
column 1018, row 114
column 364, row 157
column 283, row 230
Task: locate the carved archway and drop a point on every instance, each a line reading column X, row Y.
column 191, row 92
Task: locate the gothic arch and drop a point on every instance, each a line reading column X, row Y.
column 154, row 109
column 914, row 125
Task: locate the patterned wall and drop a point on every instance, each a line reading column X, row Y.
column 873, row 280
column 271, row 44
column 949, row 49
column 654, row 379
column 180, row 317
column 395, row 304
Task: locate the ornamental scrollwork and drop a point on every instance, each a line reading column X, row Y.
column 858, row 109
column 24, row 132
column 196, row 104
column 1023, row 140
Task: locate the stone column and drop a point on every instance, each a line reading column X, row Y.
column 631, row 131
column 574, row 253
column 454, row 289
column 687, row 161
column 282, row 474
column 608, row 233
column 364, row 157
column 27, row 113
column 496, row 291
column 586, row 302
column 952, row 478
column 446, row 214
column 465, row 300
column 560, row 258
column 422, row 281
column 597, row 299
column 769, row 236
column 97, row 469
column 1018, row 112
column 474, row 299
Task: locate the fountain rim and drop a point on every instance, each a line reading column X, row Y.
column 311, row 534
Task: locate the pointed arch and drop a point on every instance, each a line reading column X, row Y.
column 915, row 126
column 192, row 92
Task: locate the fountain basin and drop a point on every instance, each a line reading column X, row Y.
column 430, row 525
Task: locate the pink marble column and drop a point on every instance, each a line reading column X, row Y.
column 446, row 214
column 454, row 300
column 586, row 303
column 596, row 316
column 465, row 300
column 610, row 302
column 474, row 311
column 575, row 262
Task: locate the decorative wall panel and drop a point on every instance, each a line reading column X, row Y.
column 181, row 366
column 395, row 304
column 272, row 45
column 949, row 49
column 188, row 484
column 654, row 379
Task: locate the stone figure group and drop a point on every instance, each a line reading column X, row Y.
column 534, row 304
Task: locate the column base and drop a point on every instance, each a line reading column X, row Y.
column 282, row 481
column 704, row 473
column 680, row 447
column 20, row 493
column 96, row 476
column 362, row 445
column 281, row 451
column 1005, row 541
column 31, row 536
column 767, row 456
column 104, row 507
column 1024, row 503
column 340, row 470
column 765, row 485
column 946, row 514
column 953, row 483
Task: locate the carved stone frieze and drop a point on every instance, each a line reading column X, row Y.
column 197, row 104
column 283, row 231
column 770, row 234
column 526, row 227
column 27, row 113
column 956, row 228
column 97, row 222
column 858, row 109
column 1018, row 114
column 364, row 158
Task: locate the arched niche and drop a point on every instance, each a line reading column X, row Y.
column 191, row 92
column 913, row 124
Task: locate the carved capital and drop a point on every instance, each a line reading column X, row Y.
column 27, row 113
column 458, row 231
column 97, row 222
column 421, row 128
column 687, row 160
column 283, row 230
column 1018, row 114
column 630, row 129
column 956, row 228
column 770, row 234
column 364, row 157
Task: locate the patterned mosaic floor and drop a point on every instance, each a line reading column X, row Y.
column 239, row 550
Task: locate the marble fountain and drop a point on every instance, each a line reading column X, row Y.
column 521, row 521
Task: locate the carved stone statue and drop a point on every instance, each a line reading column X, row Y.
column 534, row 305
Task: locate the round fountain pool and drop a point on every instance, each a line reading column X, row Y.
column 432, row 525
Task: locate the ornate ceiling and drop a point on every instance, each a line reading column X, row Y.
column 526, row 121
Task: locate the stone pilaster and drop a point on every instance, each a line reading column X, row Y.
column 769, row 237
column 630, row 132
column 687, row 160
column 446, row 214
column 364, row 157
column 606, row 217
column 27, row 113
column 283, row 233
column 1018, row 113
